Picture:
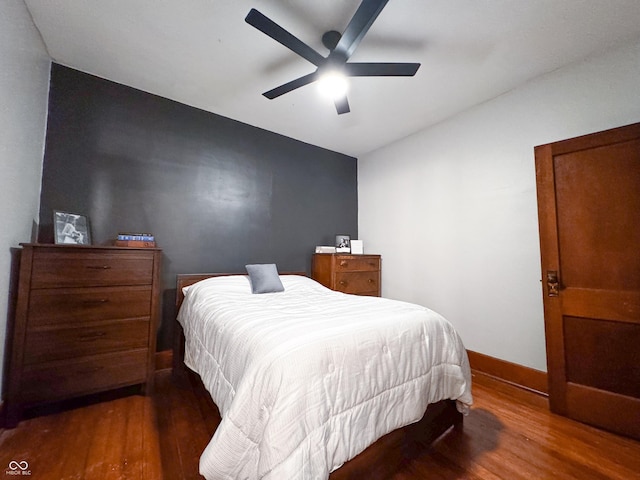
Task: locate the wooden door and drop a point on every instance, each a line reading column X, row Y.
column 589, row 215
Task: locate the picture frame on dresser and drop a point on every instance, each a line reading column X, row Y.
column 71, row 228
column 343, row 244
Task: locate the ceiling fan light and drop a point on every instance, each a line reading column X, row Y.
column 333, row 85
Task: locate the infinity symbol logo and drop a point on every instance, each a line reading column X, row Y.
column 13, row 465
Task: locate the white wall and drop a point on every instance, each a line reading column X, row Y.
column 24, row 85
column 452, row 209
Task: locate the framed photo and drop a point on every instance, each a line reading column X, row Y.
column 343, row 244
column 71, row 228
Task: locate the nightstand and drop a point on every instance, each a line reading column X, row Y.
column 355, row 274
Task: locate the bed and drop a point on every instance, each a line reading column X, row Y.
column 308, row 380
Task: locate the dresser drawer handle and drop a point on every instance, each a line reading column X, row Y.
column 97, row 301
column 343, row 283
column 89, row 370
column 98, row 267
column 371, row 280
column 344, row 263
column 88, row 337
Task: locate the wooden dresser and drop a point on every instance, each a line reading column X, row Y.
column 356, row 274
column 86, row 321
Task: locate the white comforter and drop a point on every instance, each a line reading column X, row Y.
column 307, row 378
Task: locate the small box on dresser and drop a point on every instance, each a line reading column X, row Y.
column 85, row 322
column 355, row 274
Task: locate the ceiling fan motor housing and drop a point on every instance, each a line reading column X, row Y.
column 330, row 39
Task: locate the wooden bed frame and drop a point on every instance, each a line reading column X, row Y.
column 384, row 457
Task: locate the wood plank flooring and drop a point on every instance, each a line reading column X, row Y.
column 509, row 434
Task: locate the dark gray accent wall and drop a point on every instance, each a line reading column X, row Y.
column 216, row 193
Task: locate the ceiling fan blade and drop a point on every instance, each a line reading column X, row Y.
column 292, row 85
column 381, row 69
column 342, row 105
column 280, row 35
column 359, row 25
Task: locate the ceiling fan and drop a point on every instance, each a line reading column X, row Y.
column 341, row 47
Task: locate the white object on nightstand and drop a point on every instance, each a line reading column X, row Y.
column 325, row 249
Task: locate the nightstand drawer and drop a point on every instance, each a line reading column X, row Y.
column 357, row 282
column 357, row 263
column 86, row 269
column 91, row 374
column 49, row 344
column 78, row 305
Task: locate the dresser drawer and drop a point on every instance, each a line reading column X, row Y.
column 78, row 305
column 357, row 263
column 81, row 376
column 76, row 268
column 357, row 282
column 49, row 344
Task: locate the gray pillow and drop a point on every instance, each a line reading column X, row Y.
column 264, row 278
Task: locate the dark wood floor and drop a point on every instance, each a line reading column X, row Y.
column 509, row 434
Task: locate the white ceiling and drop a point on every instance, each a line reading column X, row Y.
column 202, row 53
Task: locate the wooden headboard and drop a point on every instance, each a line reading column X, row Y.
column 184, row 280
